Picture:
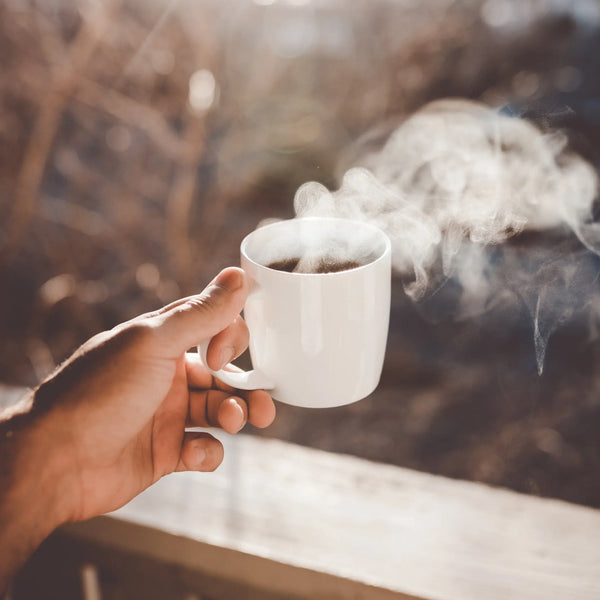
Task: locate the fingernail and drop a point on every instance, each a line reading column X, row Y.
column 200, row 456
column 241, row 416
column 226, row 356
column 230, row 279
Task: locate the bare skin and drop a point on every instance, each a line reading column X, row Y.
column 111, row 421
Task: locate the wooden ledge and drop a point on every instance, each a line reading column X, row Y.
column 297, row 522
column 283, row 521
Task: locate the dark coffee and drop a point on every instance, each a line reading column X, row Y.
column 322, row 265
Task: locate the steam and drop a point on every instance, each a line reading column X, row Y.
column 453, row 187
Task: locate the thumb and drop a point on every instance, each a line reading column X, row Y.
column 201, row 317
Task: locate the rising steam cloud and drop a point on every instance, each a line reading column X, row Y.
column 453, row 186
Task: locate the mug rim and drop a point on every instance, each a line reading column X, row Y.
column 387, row 247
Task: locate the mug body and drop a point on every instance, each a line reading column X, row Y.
column 320, row 337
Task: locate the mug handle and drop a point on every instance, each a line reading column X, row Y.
column 242, row 380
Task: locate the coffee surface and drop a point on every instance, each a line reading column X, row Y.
column 322, row 265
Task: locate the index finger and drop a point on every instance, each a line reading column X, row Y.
column 199, row 377
column 261, row 408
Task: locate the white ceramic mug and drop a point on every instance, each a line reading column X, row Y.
column 316, row 339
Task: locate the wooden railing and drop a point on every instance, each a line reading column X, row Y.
column 283, row 521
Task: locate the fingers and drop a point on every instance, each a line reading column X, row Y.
column 160, row 311
column 261, row 408
column 200, row 452
column 231, row 414
column 201, row 317
column 207, row 394
column 227, row 344
column 219, row 408
column 197, row 375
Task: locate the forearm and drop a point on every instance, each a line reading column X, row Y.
column 30, row 487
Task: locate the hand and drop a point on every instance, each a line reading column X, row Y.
column 112, row 420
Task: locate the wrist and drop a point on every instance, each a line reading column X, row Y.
column 33, row 478
column 47, row 469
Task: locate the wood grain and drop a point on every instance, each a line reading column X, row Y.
column 307, row 523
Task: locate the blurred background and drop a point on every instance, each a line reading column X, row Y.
column 140, row 140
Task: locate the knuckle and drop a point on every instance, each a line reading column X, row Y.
column 235, row 337
column 203, row 303
column 205, row 306
column 137, row 334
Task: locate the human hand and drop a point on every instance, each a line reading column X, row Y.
column 113, row 417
